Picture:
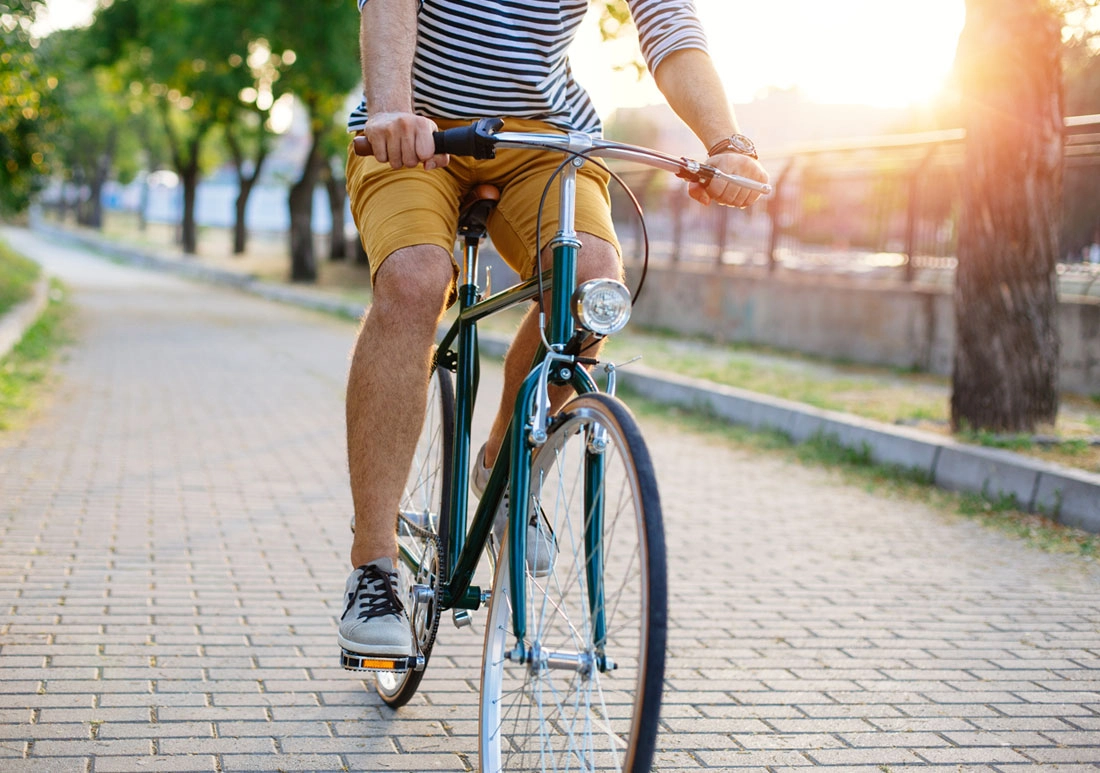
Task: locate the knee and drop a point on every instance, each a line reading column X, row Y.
column 414, row 282
column 598, row 260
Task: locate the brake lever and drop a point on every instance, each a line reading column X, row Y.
column 695, row 172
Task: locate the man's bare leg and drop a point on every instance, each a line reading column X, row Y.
column 387, row 390
column 598, row 259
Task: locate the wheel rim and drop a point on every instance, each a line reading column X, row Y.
column 540, row 718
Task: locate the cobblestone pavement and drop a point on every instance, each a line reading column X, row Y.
column 173, row 533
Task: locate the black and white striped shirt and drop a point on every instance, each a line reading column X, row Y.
column 479, row 58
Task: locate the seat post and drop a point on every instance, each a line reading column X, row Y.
column 473, row 217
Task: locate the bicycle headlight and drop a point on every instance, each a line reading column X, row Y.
column 602, row 306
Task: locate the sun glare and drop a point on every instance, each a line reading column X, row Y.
column 888, row 53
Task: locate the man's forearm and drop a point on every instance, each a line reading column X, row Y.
column 387, row 42
column 691, row 85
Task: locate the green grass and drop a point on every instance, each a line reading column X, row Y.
column 856, row 468
column 24, row 371
column 17, row 277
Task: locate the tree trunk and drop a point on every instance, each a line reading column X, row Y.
column 81, row 205
column 94, row 214
column 187, row 167
column 189, row 178
column 103, row 165
column 1006, row 359
column 303, row 262
column 240, row 225
column 337, row 196
column 245, row 184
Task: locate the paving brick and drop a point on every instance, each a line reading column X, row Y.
column 282, row 762
column 853, row 757
column 987, row 754
column 408, row 762
column 178, row 763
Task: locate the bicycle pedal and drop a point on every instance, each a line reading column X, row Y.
column 354, row 661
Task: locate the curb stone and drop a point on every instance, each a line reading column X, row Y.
column 14, row 324
column 1071, row 497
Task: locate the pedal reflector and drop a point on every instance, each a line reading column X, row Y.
column 353, row 661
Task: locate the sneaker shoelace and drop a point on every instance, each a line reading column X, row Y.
column 376, row 594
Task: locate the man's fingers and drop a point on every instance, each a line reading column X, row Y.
column 731, row 194
column 699, row 193
column 403, row 140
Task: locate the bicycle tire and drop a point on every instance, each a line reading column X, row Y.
column 423, row 529
column 541, row 718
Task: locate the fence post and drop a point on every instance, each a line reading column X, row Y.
column 679, row 196
column 775, row 214
column 911, row 211
column 721, row 228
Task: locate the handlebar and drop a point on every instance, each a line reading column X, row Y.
column 476, row 140
column 481, row 139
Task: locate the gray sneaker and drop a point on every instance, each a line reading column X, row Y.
column 374, row 622
column 542, row 547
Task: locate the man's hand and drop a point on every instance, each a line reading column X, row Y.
column 724, row 192
column 404, row 140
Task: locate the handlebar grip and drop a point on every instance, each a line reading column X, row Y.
column 362, row 146
column 475, row 140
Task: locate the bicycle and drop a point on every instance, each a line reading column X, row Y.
column 573, row 662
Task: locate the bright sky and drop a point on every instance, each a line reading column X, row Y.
column 879, row 52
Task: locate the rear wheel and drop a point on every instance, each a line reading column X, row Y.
column 422, row 522
column 589, row 696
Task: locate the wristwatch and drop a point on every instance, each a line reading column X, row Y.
column 737, row 143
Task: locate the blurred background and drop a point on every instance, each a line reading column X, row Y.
column 211, row 114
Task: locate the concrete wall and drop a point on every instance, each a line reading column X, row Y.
column 871, row 322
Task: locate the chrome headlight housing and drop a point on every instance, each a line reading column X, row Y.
column 602, row 306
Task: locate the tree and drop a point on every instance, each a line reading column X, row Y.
column 99, row 135
column 25, row 108
column 164, row 46
column 194, row 59
column 1006, row 360
column 244, row 109
column 325, row 72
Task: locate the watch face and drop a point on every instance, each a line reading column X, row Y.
column 742, row 144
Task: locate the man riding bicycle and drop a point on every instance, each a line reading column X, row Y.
column 435, row 64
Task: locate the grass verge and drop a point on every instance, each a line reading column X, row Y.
column 26, row 368
column 856, row 467
column 17, row 277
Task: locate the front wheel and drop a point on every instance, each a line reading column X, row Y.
column 589, row 695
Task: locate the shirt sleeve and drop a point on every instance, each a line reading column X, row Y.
column 665, row 26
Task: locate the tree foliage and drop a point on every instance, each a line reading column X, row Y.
column 25, row 107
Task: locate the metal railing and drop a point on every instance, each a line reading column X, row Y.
column 885, row 207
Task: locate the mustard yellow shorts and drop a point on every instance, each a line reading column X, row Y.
column 401, row 208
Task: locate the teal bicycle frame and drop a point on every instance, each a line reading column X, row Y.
column 458, row 351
